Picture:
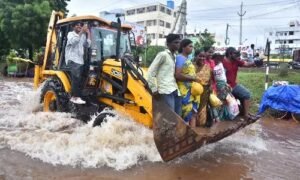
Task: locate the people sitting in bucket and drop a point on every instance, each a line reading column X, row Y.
column 231, row 64
column 161, row 79
column 205, row 114
column 209, row 61
column 185, row 75
column 194, row 82
column 229, row 108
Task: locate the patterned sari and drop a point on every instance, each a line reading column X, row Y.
column 190, row 103
column 204, row 73
column 223, row 90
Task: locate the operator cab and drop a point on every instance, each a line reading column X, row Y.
column 103, row 41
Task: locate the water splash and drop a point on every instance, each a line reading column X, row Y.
column 57, row 138
column 119, row 143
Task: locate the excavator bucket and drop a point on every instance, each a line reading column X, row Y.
column 174, row 138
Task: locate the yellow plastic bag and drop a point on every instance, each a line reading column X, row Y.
column 196, row 89
column 214, row 100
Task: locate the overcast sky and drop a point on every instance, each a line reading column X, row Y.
column 214, row 15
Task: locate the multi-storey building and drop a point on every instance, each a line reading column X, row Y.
column 156, row 17
column 285, row 39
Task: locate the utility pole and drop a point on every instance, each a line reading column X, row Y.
column 227, row 40
column 267, row 53
column 241, row 14
column 180, row 21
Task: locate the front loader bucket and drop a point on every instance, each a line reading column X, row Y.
column 173, row 138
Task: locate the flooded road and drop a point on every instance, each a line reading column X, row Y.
column 38, row 145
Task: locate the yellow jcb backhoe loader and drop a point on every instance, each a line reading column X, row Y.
column 113, row 79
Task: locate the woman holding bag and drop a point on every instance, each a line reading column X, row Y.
column 185, row 76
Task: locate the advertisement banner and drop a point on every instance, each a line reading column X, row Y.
column 139, row 34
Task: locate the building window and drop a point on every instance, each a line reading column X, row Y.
column 270, row 33
column 151, row 23
column 140, row 23
column 168, row 25
column 277, row 42
column 151, row 36
column 140, row 10
column 151, row 8
column 169, row 11
column 162, row 9
column 284, row 42
column 161, row 36
column 291, row 41
column 130, row 12
column 291, row 33
column 285, row 34
column 174, row 14
column 161, row 23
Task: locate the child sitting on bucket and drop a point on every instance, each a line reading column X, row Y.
column 223, row 89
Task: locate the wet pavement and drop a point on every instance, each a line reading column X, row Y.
column 37, row 145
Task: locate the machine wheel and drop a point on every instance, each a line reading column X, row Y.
column 102, row 117
column 278, row 114
column 54, row 97
column 296, row 117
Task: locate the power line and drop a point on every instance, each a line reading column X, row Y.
column 271, row 12
column 251, row 17
column 235, row 19
column 274, row 2
column 229, row 7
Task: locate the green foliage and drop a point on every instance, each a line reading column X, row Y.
column 16, row 63
column 150, row 54
column 274, row 56
column 281, row 56
column 206, row 41
column 24, row 22
column 138, row 51
column 59, row 5
column 4, row 46
column 10, row 57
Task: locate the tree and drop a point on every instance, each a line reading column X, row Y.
column 24, row 22
column 4, row 45
column 59, row 5
column 150, row 54
column 206, row 40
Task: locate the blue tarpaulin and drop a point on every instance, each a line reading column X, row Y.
column 284, row 98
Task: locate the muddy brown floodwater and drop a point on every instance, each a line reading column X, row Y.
column 269, row 149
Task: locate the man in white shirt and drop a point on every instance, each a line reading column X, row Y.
column 78, row 39
column 250, row 52
column 161, row 74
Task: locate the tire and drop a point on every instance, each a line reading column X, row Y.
column 278, row 114
column 296, row 116
column 101, row 118
column 54, row 97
